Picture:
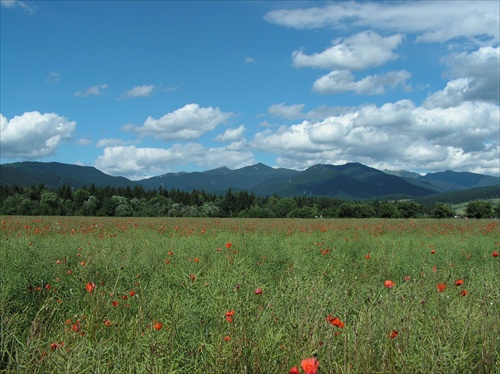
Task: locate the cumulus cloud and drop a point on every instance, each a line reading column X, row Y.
column 139, row 91
column 339, row 81
column 357, row 52
column 136, row 163
column 433, row 21
column 477, row 78
column 231, row 135
column 249, row 60
column 96, row 90
column 188, row 123
column 33, row 135
column 398, row 134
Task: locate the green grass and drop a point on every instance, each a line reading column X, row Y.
column 183, row 275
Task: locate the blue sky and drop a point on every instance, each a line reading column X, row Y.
column 142, row 88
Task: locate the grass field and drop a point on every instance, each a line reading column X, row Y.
column 108, row 295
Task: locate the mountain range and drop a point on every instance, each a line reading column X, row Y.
column 348, row 181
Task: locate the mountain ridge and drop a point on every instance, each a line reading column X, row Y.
column 348, row 181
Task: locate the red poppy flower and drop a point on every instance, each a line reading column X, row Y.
column 459, row 282
column 389, row 284
column 227, row 338
column 294, row 370
column 196, row 259
column 229, row 316
column 115, row 303
column 132, row 293
column 495, row 254
column 335, row 321
column 107, row 322
column 75, row 327
column 90, row 286
column 310, row 365
column 393, row 334
column 407, row 278
column 55, row 346
column 229, row 245
column 258, row 291
column 441, row 287
column 433, row 251
column 464, row 292
column 367, row 257
column 158, row 326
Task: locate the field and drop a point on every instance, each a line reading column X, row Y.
column 108, row 295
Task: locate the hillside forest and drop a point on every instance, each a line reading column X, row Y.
column 139, row 202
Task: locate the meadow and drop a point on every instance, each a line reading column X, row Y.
column 165, row 295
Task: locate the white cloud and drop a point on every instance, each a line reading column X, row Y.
column 137, row 163
column 92, row 91
column 295, row 112
column 84, row 142
column 139, row 91
column 465, row 137
column 357, row 52
column 434, row 21
column 188, row 123
column 478, row 78
column 24, row 5
column 249, row 60
column 286, row 111
column 34, row 135
column 339, row 81
column 53, row 77
column 231, row 135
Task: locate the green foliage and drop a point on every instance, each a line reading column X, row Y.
column 187, row 273
column 479, row 209
column 442, row 210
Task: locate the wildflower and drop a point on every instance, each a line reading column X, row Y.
column 196, row 259
column 367, row 256
column 227, row 338
column 459, row 282
column 335, row 321
column 433, row 251
column 75, row 326
column 258, row 291
column 107, row 322
column 115, row 303
column 229, row 245
column 441, row 287
column 393, row 334
column 294, row 370
column 55, row 346
column 170, row 253
column 389, row 284
column 229, row 316
column 132, row 293
column 464, row 292
column 495, row 254
column 158, row 326
column 167, row 261
column 310, row 365
column 90, row 286
column 407, row 278
column 193, row 277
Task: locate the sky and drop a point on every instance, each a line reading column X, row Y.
column 142, row 88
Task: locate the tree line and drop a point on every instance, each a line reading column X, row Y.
column 139, row 202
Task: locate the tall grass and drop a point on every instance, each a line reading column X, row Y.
column 163, row 287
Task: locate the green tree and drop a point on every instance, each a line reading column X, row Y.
column 442, row 210
column 479, row 209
